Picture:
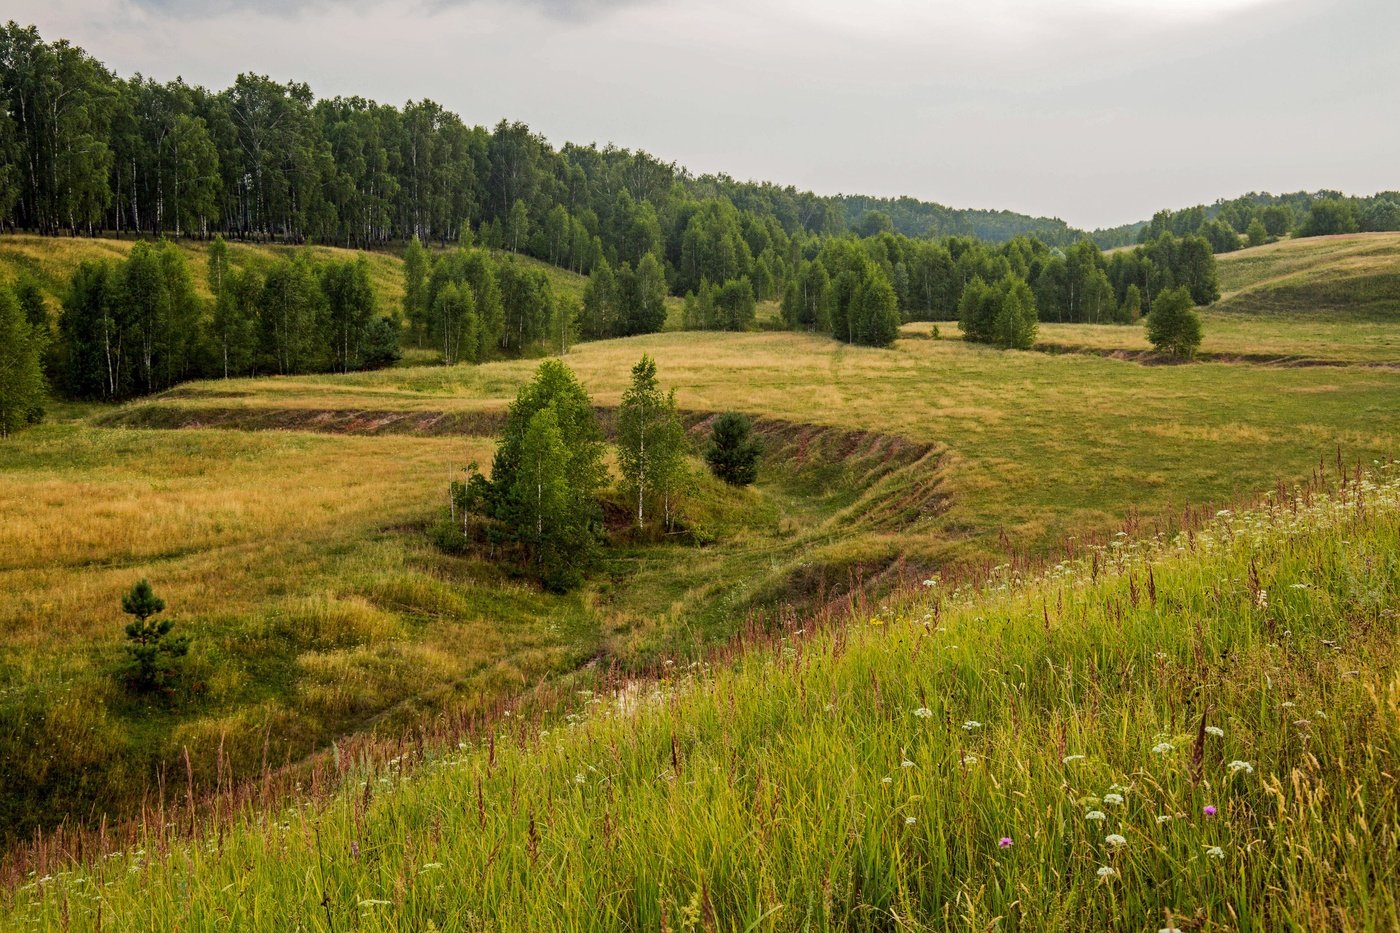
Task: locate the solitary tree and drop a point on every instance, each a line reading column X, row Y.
column 1173, row 325
column 153, row 653
column 733, row 452
column 21, row 379
column 1015, row 323
column 649, row 437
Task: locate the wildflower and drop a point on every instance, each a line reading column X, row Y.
column 1106, row 871
column 969, row 759
column 885, row 780
column 1114, row 839
column 971, row 725
column 579, row 778
column 1096, row 816
column 909, row 821
column 1208, row 810
column 1068, row 758
column 923, row 712
column 1164, row 818
column 1115, row 800
column 1215, row 852
column 1216, row 731
column 1237, row 766
column 1162, row 748
column 1005, row 842
column 906, row 763
column 930, row 583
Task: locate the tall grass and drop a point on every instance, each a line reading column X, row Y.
column 1196, row 734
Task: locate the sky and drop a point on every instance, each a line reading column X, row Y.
column 1095, row 111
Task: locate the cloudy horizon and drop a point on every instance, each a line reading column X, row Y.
column 1094, row 111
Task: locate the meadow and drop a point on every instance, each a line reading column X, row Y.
column 289, row 523
column 1196, row 733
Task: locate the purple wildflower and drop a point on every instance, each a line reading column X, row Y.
column 1209, row 810
column 1005, row 842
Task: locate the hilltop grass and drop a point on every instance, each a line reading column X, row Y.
column 1197, row 735
column 1354, row 277
column 1231, row 335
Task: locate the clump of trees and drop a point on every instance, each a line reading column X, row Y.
column 1003, row 314
column 733, row 452
column 154, row 654
column 540, row 504
column 23, row 340
column 137, row 326
column 1173, row 326
column 541, row 509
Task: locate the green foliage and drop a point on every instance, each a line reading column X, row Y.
column 1330, row 216
column 1131, row 309
column 22, row 389
column 733, row 451
column 624, row 302
column 1003, row 314
column 546, row 476
column 875, row 311
column 153, row 653
column 350, row 306
column 1015, row 323
column 1258, row 234
column 1173, row 326
column 650, row 442
column 415, row 288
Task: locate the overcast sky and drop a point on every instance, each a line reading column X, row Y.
column 1096, row 111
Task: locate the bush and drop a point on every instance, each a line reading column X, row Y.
column 1173, row 325
column 733, row 451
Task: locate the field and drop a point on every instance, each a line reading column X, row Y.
column 290, row 525
column 1194, row 736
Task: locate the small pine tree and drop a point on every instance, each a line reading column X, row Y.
column 152, row 651
column 1173, row 325
column 733, row 451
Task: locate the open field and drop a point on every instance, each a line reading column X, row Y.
column 1201, row 736
column 1040, row 446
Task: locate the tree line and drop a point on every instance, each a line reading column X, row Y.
column 1255, row 219
column 83, row 150
column 135, row 326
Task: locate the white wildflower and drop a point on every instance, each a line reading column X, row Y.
column 1106, row 871
column 1237, row 766
column 909, row 821
column 1215, row 852
column 1114, row 839
column 1163, row 748
column 969, row 759
column 1115, row 800
column 923, row 712
column 1164, row 818
column 1216, row 731
column 971, row 725
column 1068, row 758
column 1097, row 816
column 906, row 763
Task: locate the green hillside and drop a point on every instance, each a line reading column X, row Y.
column 1196, row 734
column 50, row 261
column 1353, row 277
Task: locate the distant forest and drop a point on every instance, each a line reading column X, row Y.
column 83, row 152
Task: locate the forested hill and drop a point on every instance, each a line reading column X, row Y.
column 84, row 150
column 869, row 216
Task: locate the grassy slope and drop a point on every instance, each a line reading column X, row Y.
column 1024, row 430
column 1353, row 277
column 862, row 778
